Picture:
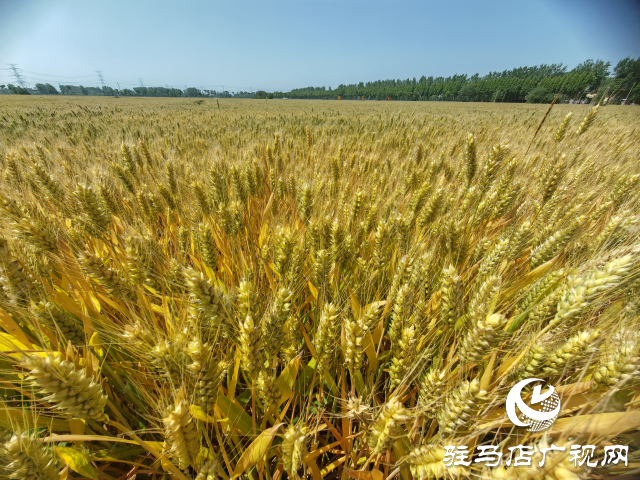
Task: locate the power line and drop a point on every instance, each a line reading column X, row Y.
column 57, row 76
column 106, row 78
column 34, row 77
column 16, row 73
column 119, row 79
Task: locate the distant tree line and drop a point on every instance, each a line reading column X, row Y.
column 591, row 80
column 263, row 94
column 538, row 84
column 48, row 89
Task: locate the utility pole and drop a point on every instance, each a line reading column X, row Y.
column 100, row 77
column 625, row 100
column 16, row 72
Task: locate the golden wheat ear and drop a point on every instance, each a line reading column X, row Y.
column 69, row 389
column 24, row 456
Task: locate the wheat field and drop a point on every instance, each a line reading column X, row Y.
column 307, row 289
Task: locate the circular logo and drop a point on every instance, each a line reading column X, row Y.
column 543, row 411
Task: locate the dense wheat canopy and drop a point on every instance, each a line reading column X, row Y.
column 311, row 289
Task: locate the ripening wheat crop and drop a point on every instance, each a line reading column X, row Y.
column 288, row 289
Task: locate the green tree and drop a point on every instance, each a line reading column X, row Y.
column 468, row 92
column 17, row 90
column 539, row 95
column 627, row 76
column 193, row 92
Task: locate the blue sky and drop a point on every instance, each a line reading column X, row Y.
column 281, row 45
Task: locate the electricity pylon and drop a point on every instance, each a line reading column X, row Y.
column 16, row 73
column 100, row 77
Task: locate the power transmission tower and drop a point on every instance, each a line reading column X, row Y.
column 100, row 77
column 118, row 83
column 141, row 83
column 16, row 72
